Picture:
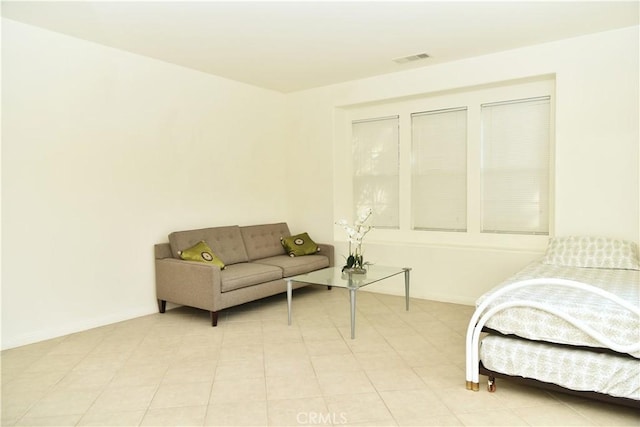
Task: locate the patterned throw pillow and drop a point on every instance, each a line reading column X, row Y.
column 298, row 245
column 595, row 252
column 201, row 252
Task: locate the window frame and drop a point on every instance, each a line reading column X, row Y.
column 487, row 171
column 378, row 174
column 416, row 175
column 472, row 98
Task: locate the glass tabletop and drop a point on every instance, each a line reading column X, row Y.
column 333, row 276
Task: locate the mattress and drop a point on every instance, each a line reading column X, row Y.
column 568, row 367
column 619, row 325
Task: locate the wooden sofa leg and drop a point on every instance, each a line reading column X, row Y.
column 162, row 305
column 214, row 318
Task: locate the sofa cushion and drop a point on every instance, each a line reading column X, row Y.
column 226, row 242
column 299, row 245
column 263, row 241
column 245, row 274
column 296, row 265
column 201, row 252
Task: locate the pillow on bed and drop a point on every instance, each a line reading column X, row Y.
column 594, row 252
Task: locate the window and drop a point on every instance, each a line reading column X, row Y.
column 515, row 166
column 469, row 166
column 439, row 170
column 376, row 170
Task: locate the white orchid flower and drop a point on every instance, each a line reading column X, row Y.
column 355, row 235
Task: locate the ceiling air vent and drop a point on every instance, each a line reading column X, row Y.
column 411, row 58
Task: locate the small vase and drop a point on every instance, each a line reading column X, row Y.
column 354, row 270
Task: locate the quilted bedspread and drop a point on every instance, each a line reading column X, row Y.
column 565, row 366
column 618, row 324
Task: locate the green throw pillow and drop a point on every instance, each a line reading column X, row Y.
column 298, row 245
column 203, row 253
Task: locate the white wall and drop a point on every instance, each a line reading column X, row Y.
column 103, row 154
column 596, row 156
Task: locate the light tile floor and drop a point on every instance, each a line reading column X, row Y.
column 403, row 369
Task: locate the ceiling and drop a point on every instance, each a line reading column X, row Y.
column 296, row 45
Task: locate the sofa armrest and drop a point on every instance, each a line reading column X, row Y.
column 189, row 283
column 327, row 250
column 162, row 250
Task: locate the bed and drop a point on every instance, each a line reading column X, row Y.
column 568, row 322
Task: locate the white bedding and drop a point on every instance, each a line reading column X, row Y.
column 620, row 326
column 568, row 367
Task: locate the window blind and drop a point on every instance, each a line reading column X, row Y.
column 439, row 170
column 515, row 166
column 376, row 170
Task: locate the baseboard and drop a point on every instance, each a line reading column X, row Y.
column 429, row 296
column 84, row 325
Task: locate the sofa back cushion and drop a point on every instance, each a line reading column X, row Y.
column 225, row 242
column 263, row 241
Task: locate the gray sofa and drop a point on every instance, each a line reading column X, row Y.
column 255, row 267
